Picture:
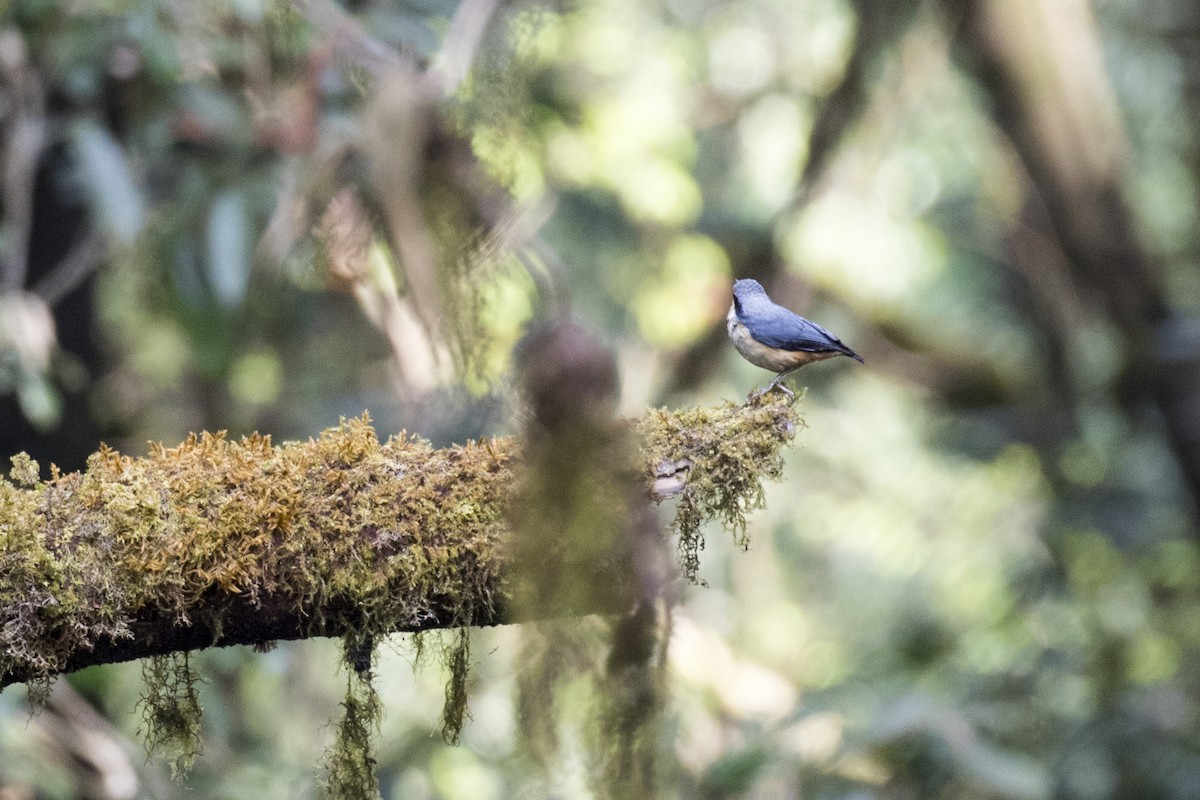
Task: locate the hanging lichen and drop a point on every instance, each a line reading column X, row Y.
column 350, row 760
column 554, row 656
column 626, row 730
column 456, row 658
column 171, row 711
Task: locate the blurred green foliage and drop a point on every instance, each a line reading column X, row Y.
column 978, row 576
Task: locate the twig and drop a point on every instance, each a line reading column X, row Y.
column 75, row 267
column 454, row 61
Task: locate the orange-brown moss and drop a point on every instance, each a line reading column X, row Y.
column 392, row 534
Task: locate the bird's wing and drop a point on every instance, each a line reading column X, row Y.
column 777, row 327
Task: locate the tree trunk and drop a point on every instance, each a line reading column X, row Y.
column 1040, row 62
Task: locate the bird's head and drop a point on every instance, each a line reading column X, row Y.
column 747, row 289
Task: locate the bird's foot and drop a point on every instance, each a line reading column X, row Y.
column 775, row 384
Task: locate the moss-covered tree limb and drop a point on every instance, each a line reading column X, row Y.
column 217, row 542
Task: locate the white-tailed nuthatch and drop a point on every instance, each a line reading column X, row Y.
column 769, row 336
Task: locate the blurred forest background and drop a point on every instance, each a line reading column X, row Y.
column 979, row 577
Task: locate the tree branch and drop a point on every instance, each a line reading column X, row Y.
column 217, row 543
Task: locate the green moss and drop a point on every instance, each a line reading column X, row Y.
column 727, row 452
column 46, row 608
column 25, row 471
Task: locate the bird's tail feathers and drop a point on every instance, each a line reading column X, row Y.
column 848, row 351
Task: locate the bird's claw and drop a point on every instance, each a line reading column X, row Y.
column 754, row 396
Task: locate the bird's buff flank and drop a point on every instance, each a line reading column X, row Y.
column 772, row 337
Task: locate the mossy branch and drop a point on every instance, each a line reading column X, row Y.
column 217, row 542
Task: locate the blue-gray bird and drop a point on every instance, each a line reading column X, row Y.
column 769, row 336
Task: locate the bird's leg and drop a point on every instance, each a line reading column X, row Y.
column 776, row 384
